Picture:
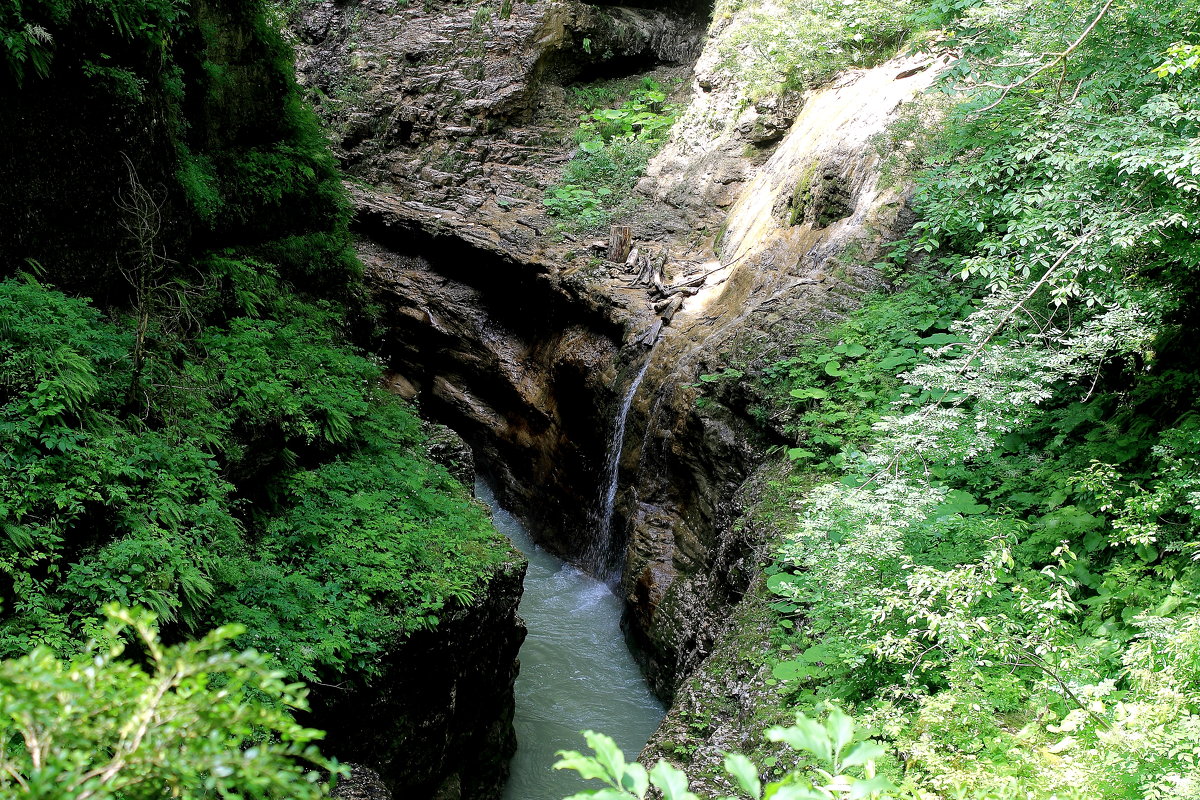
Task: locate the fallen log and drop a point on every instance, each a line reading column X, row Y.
column 631, row 263
column 668, row 308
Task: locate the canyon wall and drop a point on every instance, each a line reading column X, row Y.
column 437, row 723
column 524, row 337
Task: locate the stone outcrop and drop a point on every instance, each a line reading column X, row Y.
column 510, row 356
column 462, row 108
column 782, row 275
column 438, row 722
column 363, row 783
column 727, row 704
column 762, row 217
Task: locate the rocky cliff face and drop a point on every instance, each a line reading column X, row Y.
column 453, row 121
column 438, row 723
column 792, row 260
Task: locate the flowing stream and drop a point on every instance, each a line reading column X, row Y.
column 576, row 671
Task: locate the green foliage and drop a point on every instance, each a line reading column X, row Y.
column 1005, row 541
column 1070, row 190
column 292, row 380
column 72, row 472
column 30, row 29
column 374, row 545
column 193, row 720
column 615, row 144
column 243, row 467
column 590, row 97
column 831, row 744
column 97, row 506
column 645, row 116
column 796, row 44
column 584, row 206
column 830, row 396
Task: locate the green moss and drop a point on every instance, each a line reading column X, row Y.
column 800, row 196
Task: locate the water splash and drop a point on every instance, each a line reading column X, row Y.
column 601, row 556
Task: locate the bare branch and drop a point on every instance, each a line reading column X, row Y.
column 1059, row 58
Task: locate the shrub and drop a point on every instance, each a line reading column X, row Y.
column 193, row 720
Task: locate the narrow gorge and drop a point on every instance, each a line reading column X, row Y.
column 523, row 399
column 575, row 386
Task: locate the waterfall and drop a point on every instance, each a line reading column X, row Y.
column 600, row 555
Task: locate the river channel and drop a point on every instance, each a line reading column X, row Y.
column 576, row 670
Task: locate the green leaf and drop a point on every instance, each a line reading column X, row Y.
column 607, row 793
column 607, row 753
column 898, row 360
column 587, row 766
column 941, row 339
column 781, row 583
column 809, row 393
column 672, row 782
column 863, row 752
column 796, row 670
column 636, row 779
column 959, row 502
column 865, row 788
column 807, row 735
column 778, row 791
column 820, row 653
column 745, row 773
column 841, row 729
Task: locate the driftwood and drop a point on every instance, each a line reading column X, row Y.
column 620, row 239
column 657, row 268
column 631, row 263
column 651, row 335
column 649, row 272
column 667, row 308
column 689, row 283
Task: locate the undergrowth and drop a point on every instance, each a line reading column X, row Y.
column 614, row 146
column 792, row 45
column 185, row 424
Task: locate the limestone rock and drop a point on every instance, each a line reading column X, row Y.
column 363, row 783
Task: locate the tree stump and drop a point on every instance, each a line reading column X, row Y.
column 620, row 240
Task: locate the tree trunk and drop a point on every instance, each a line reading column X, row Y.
column 620, row 239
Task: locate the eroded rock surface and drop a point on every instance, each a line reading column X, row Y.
column 438, row 722
column 792, row 264
column 462, row 108
column 363, row 783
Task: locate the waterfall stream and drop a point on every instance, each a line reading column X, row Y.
column 576, row 671
column 601, row 555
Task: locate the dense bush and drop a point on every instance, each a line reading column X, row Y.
column 185, row 425
column 797, row 44
column 193, row 720
column 996, row 569
column 99, row 506
column 201, row 440
column 615, row 144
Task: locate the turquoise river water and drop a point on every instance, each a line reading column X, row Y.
column 576, row 671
